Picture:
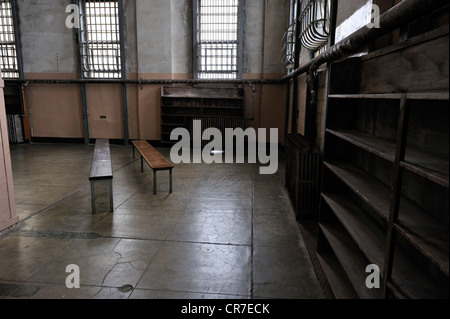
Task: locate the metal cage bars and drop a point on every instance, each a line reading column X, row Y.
column 289, row 42
column 314, row 23
column 9, row 48
column 312, row 17
column 217, row 39
column 288, row 59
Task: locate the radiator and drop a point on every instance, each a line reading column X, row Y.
column 15, row 130
column 303, row 165
column 220, row 123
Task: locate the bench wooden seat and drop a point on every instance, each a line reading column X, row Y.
column 101, row 170
column 154, row 159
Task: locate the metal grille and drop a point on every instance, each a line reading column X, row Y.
column 289, row 38
column 303, row 165
column 217, row 39
column 314, row 23
column 218, row 122
column 8, row 50
column 100, row 39
column 289, row 48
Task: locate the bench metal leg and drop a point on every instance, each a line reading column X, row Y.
column 111, row 199
column 134, row 156
column 93, row 197
column 170, row 181
column 154, row 183
column 142, row 164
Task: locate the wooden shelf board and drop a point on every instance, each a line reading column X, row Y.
column 212, row 97
column 412, row 281
column 205, row 108
column 336, row 276
column 429, row 166
column 418, row 165
column 350, row 258
column 195, row 116
column 426, row 233
column 381, row 147
column 360, row 227
column 223, row 107
column 394, row 96
column 373, row 192
column 182, row 106
column 398, row 294
column 406, row 272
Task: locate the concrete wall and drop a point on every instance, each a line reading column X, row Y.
column 158, row 42
column 265, row 24
column 8, row 214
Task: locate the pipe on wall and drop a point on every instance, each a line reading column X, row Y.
column 142, row 82
column 402, row 13
column 399, row 15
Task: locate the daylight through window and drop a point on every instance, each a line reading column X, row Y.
column 217, row 39
column 8, row 49
column 100, row 39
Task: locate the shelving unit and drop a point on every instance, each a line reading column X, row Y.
column 385, row 193
column 13, row 107
column 215, row 106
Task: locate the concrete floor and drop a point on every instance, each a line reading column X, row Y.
column 226, row 232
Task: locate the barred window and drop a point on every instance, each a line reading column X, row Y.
column 99, row 39
column 218, row 39
column 8, row 47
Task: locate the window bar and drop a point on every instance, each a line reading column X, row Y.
column 83, row 65
column 119, row 35
column 100, row 41
column 217, row 44
column 101, row 50
column 10, row 49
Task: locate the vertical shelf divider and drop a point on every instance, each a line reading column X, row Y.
column 396, row 194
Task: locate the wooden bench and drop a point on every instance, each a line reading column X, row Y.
column 101, row 170
column 154, row 159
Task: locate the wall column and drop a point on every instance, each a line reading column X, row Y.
column 8, row 214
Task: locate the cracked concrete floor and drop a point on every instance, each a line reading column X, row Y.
column 226, row 232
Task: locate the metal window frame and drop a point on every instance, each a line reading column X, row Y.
column 123, row 72
column 87, row 46
column 239, row 45
column 16, row 44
